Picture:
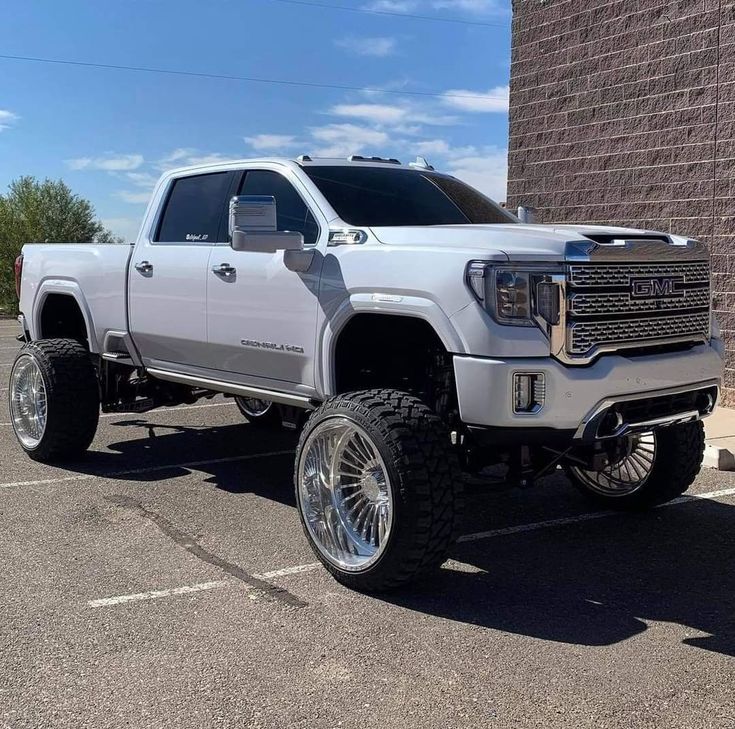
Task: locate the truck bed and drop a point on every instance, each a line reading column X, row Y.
column 95, row 274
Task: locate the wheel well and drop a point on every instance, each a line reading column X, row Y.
column 400, row 352
column 62, row 317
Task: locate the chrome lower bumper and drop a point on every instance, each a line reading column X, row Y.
column 616, row 417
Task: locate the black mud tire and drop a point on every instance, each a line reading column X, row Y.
column 72, row 399
column 424, row 470
column 679, row 454
column 270, row 420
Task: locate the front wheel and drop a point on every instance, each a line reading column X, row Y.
column 645, row 469
column 378, row 488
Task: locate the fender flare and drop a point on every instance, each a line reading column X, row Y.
column 64, row 287
column 418, row 307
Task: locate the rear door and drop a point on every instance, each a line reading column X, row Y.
column 262, row 316
column 169, row 274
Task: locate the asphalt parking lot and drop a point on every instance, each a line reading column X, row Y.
column 165, row 581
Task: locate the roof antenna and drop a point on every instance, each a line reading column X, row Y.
column 421, row 164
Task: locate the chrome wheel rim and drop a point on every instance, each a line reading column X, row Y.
column 254, row 407
column 345, row 494
column 628, row 473
column 28, row 403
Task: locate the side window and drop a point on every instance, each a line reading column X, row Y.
column 291, row 209
column 194, row 208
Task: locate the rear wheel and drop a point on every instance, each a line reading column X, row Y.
column 54, row 399
column 261, row 413
column 378, row 488
column 645, row 468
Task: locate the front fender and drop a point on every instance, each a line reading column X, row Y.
column 388, row 305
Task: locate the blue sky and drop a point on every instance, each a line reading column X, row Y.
column 110, row 133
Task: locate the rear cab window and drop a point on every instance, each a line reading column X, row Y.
column 194, row 209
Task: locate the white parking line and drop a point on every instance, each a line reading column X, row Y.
column 453, row 564
column 158, row 411
column 154, row 594
column 146, row 469
column 520, row 528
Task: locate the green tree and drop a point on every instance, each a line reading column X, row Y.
column 37, row 212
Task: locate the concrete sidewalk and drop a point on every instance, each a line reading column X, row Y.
column 720, row 433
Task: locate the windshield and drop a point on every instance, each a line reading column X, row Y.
column 377, row 196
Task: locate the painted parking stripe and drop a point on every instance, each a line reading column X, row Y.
column 146, row 469
column 549, row 523
column 159, row 411
column 452, row 564
column 155, row 594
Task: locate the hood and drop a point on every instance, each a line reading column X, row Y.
column 517, row 241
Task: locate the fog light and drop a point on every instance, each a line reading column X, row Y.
column 529, row 392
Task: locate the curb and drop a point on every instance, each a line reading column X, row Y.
column 719, row 458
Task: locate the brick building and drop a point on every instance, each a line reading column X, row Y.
column 623, row 111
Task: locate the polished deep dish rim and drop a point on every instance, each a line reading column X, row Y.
column 28, row 403
column 254, row 407
column 345, row 494
column 628, row 473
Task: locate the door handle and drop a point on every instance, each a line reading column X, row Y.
column 144, row 267
column 224, row 269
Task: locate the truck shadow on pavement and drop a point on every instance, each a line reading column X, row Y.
column 592, row 583
column 596, row 583
column 237, row 458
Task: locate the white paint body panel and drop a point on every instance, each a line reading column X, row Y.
column 185, row 318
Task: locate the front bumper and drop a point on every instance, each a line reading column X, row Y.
column 575, row 396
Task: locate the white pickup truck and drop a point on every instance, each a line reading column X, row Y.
column 410, row 327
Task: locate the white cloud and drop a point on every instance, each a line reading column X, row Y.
column 438, row 147
column 393, row 6
column 136, row 198
column 376, row 113
column 494, row 100
column 142, row 179
column 342, row 140
column 379, row 47
column 189, row 157
column 7, row 119
column 109, row 163
column 481, row 7
column 486, row 169
column 270, row 142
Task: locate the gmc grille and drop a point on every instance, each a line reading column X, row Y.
column 614, row 306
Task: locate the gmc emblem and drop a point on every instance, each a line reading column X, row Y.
column 656, row 288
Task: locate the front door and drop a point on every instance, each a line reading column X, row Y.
column 169, row 273
column 261, row 315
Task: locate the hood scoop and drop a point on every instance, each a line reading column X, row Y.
column 609, row 238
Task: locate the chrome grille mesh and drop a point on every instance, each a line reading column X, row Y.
column 603, row 312
column 610, row 275
column 590, row 304
column 586, row 335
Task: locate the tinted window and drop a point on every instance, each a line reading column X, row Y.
column 290, row 208
column 194, row 208
column 377, row 196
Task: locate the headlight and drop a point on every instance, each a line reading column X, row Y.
column 515, row 297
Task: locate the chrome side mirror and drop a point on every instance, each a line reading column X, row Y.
column 253, row 226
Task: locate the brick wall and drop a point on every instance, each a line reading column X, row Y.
column 623, row 111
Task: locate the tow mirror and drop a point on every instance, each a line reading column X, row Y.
column 253, row 226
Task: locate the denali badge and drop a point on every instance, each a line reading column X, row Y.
column 272, row 346
column 656, row 288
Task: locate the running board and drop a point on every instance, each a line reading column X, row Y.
column 231, row 388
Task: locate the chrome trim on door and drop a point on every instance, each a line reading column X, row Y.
column 232, row 388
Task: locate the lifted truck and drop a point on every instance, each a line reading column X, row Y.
column 408, row 325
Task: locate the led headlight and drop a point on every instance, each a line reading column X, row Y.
column 515, row 296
